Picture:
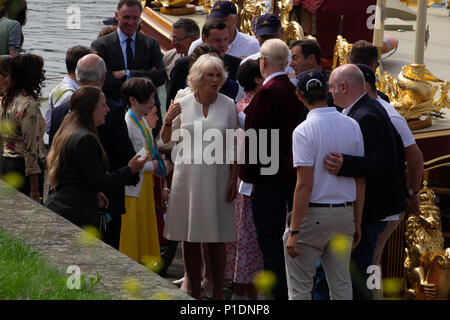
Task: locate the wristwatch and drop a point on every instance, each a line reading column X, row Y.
column 125, row 75
column 411, row 192
column 292, row 232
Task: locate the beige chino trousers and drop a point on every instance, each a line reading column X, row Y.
column 326, row 234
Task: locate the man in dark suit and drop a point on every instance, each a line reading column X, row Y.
column 275, row 108
column 214, row 33
column 113, row 135
column 383, row 166
column 129, row 53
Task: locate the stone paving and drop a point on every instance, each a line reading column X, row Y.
column 59, row 242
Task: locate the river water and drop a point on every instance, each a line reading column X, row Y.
column 48, row 34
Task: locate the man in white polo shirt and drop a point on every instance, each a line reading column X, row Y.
column 240, row 45
column 326, row 207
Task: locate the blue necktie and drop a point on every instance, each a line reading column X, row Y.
column 130, row 58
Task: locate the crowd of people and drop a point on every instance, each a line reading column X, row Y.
column 148, row 183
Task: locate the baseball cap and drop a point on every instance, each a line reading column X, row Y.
column 267, row 24
column 306, row 78
column 369, row 76
column 222, row 9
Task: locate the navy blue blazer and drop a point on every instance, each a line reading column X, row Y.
column 57, row 117
column 147, row 58
column 383, row 164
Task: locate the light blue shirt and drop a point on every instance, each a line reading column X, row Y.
column 123, row 44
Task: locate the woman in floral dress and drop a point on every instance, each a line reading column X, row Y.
column 23, row 126
column 244, row 258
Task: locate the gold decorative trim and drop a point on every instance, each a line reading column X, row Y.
column 159, row 19
column 438, row 159
column 432, row 134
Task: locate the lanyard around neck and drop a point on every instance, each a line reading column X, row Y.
column 149, row 143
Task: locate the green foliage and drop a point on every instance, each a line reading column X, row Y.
column 24, row 274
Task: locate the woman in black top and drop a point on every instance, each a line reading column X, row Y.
column 78, row 164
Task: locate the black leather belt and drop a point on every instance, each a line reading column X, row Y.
column 331, row 205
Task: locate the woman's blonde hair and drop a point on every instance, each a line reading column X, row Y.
column 204, row 64
column 82, row 105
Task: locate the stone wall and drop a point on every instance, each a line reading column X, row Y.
column 58, row 241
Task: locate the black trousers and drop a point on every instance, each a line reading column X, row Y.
column 270, row 206
column 168, row 251
column 111, row 235
column 17, row 165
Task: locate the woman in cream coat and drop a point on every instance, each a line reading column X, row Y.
column 201, row 208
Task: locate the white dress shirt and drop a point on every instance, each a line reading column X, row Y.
column 399, row 123
column 242, row 46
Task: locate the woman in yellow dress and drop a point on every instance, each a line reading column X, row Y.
column 139, row 233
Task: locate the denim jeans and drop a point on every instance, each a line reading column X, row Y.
column 362, row 257
column 320, row 289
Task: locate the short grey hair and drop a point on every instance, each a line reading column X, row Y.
column 205, row 63
column 189, row 26
column 88, row 72
column 275, row 51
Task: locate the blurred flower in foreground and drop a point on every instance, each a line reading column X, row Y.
column 264, row 281
column 89, row 234
column 392, row 287
column 339, row 243
column 153, row 263
column 7, row 127
column 161, row 295
column 14, row 179
column 132, row 287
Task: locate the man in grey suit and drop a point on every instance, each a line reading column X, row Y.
column 129, row 53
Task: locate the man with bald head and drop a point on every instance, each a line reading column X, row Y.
column 91, row 71
column 383, row 165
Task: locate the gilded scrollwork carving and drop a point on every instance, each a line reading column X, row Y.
column 416, row 95
column 412, row 93
column 341, row 51
column 292, row 29
column 443, row 101
column 208, row 4
column 425, row 252
column 250, row 13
